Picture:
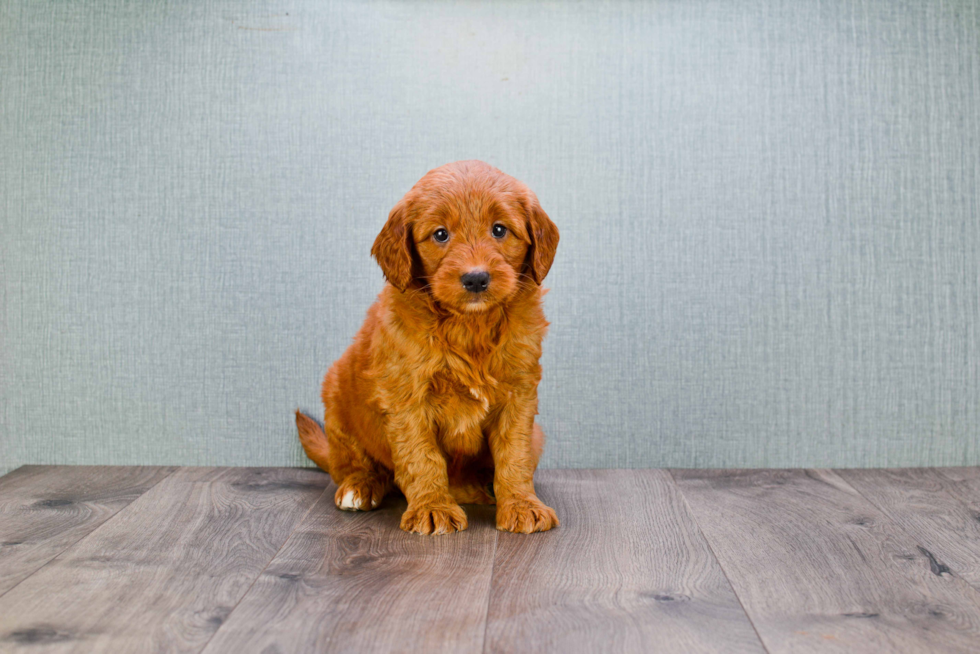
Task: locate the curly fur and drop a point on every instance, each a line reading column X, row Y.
column 438, row 392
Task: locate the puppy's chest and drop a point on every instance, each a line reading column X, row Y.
column 463, row 405
column 469, row 388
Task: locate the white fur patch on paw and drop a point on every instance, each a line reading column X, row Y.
column 374, row 503
column 347, row 504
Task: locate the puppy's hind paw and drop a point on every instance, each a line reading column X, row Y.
column 350, row 502
column 438, row 519
column 359, row 494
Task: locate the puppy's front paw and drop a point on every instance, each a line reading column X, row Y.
column 434, row 519
column 525, row 516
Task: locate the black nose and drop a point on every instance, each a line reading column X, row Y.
column 475, row 282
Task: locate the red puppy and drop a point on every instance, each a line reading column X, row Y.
column 438, row 392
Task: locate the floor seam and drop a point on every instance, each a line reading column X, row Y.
column 493, row 569
column 104, row 523
column 714, row 555
column 265, row 567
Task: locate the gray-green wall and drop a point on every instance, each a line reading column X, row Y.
column 770, row 247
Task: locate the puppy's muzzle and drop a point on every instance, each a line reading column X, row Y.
column 476, row 281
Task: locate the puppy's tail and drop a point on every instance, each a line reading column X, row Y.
column 314, row 441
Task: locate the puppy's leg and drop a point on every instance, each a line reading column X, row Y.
column 516, row 442
column 361, row 483
column 421, row 474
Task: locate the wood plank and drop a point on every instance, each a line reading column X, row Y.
column 819, row 568
column 355, row 582
column 46, row 509
column 964, row 485
column 627, row 571
column 924, row 502
column 166, row 571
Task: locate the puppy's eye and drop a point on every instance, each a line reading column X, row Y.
column 440, row 235
column 499, row 231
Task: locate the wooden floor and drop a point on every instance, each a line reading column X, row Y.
column 112, row 559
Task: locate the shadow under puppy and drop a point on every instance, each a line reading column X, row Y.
column 438, row 392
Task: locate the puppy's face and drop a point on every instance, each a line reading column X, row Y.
column 467, row 233
column 472, row 250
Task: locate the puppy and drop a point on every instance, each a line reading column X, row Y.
column 438, row 392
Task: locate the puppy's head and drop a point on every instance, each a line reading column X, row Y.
column 469, row 234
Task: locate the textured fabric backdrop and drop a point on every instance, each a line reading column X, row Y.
column 770, row 248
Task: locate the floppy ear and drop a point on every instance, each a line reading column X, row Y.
column 392, row 248
column 544, row 239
